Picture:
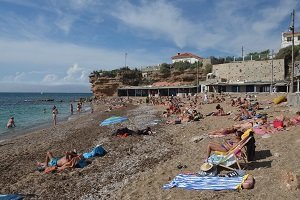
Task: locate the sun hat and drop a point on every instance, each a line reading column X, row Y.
column 206, row 167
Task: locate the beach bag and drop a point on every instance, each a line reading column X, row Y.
column 177, row 121
column 248, row 183
column 278, row 123
column 97, row 151
column 251, row 148
column 279, row 99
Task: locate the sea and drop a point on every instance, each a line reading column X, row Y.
column 32, row 110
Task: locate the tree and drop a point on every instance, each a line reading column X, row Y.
column 208, row 68
column 165, row 70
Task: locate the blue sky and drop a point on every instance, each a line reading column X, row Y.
column 53, row 45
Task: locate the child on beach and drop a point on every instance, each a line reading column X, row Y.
column 11, row 123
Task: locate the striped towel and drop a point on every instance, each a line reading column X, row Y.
column 194, row 182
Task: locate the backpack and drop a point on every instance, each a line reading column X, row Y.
column 251, row 148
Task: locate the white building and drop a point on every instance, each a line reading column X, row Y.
column 286, row 39
column 186, row 57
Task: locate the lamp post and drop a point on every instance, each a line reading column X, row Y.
column 125, row 58
column 197, row 77
column 293, row 32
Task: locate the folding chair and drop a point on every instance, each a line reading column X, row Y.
column 232, row 156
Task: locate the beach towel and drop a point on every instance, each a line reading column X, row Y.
column 97, row 151
column 216, row 159
column 194, row 182
column 10, row 197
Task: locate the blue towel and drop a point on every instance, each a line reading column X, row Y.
column 194, row 182
column 10, row 197
column 97, row 151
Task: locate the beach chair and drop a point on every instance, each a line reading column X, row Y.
column 233, row 156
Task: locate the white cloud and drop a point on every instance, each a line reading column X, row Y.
column 50, row 78
column 76, row 73
column 157, row 17
column 65, row 23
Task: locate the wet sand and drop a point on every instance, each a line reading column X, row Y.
column 137, row 167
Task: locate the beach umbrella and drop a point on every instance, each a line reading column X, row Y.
column 113, row 120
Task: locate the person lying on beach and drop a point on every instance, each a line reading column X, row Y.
column 226, row 146
column 11, row 123
column 243, row 114
column 261, row 126
column 60, row 163
column 222, row 132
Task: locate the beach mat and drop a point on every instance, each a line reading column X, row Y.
column 10, row 197
column 194, row 182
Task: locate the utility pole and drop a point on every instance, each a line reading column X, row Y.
column 243, row 53
column 272, row 74
column 292, row 28
column 197, row 77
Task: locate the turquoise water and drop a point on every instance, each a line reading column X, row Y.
column 33, row 109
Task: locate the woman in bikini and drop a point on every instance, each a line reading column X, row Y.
column 226, row 146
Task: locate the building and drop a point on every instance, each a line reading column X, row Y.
column 186, row 57
column 248, row 76
column 286, row 39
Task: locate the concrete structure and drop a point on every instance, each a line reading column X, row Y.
column 249, row 71
column 248, row 76
column 143, row 91
column 286, row 39
column 186, row 57
column 294, row 100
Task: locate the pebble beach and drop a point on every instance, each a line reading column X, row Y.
column 137, row 167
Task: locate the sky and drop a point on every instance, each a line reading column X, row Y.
column 53, row 45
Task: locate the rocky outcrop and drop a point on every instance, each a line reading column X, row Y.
column 107, row 86
column 103, row 86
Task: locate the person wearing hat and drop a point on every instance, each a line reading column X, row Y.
column 11, row 123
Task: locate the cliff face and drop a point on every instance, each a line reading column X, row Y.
column 103, row 86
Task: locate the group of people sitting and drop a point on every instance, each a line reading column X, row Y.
column 183, row 112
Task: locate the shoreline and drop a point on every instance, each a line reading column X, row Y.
column 10, row 134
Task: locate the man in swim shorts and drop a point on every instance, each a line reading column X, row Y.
column 55, row 161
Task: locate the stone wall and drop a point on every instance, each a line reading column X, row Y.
column 250, row 71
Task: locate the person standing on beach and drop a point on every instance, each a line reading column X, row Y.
column 205, row 100
column 11, row 123
column 78, row 107
column 71, row 108
column 54, row 114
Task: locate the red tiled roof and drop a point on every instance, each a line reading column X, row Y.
column 290, row 33
column 186, row 55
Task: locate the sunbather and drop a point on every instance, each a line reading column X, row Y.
column 226, row 146
column 220, row 111
column 223, row 131
column 243, row 115
column 62, row 162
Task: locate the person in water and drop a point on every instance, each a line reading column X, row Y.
column 54, row 114
column 11, row 123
